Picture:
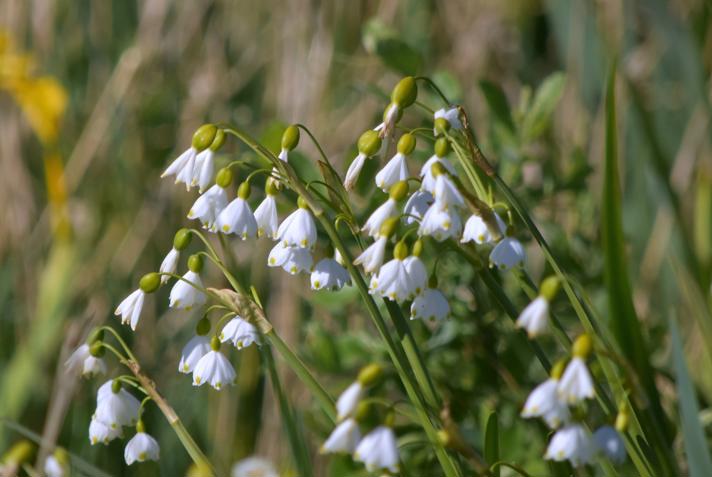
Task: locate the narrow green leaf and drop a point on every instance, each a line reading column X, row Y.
column 492, row 442
column 538, row 118
column 497, row 103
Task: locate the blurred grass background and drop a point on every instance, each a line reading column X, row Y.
column 97, row 96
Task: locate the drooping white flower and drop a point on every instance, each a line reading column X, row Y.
column 430, row 305
column 140, row 448
column 298, row 229
column 372, row 257
column 390, row 117
column 184, row 294
column 344, row 438
column 508, row 253
column 208, row 207
column 395, row 170
column 214, row 368
column 446, row 193
column 329, row 274
column 100, row 433
column 417, row 205
column 82, row 361
column 426, row 172
column 292, row 259
column 378, row 450
column 609, row 442
column 116, row 407
column 476, row 230
column 182, row 167
column 254, row 467
column 237, row 218
column 384, row 212
column 440, row 224
column 267, row 218
column 535, row 317
column 196, row 348
column 204, row 168
column 576, row 383
column 354, row 171
column 54, row 468
column 417, row 272
column 544, row 402
column 240, row 332
column 369, row 143
column 572, row 443
column 393, row 282
column 451, row 115
column 169, row 264
column 348, row 400
column 130, row 308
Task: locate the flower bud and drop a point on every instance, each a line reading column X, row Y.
column 150, row 282
column 370, row 375
column 582, row 346
column 405, row 92
column 549, row 288
column 204, row 136
column 97, row 334
column 224, row 177
column 219, row 140
column 290, row 137
column 97, row 349
column 302, row 203
column 406, row 144
column 369, row 143
column 442, row 147
column 442, row 126
column 389, row 227
column 558, row 369
column 400, row 252
column 215, row 343
column 398, row 191
column 243, row 192
column 21, row 452
column 203, row 327
column 182, row 239
column 195, row 263
column 417, row 248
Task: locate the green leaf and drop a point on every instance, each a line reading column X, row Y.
column 497, row 103
column 696, row 446
column 537, row 119
column 492, row 442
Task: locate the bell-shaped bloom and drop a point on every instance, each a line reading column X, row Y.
column 237, row 218
column 169, row 264
column 609, row 442
column 417, row 272
column 535, row 317
column 354, row 171
column 393, row 282
column 298, row 229
column 203, row 170
column 426, row 173
column 100, row 433
column 430, row 305
column 240, row 333
column 328, row 274
column 446, row 193
column 440, row 224
column 82, row 361
column 267, row 218
column 451, row 115
column 416, row 206
column 348, row 400
column 378, row 450
column 384, row 212
column 508, row 253
column 196, row 348
column 544, row 402
column 208, row 206
column 184, row 294
column 183, row 168
column 344, row 438
column 215, row 369
column 576, row 383
column 293, row 260
column 572, row 443
column 395, row 170
column 130, row 308
column 140, row 448
column 254, row 467
column 372, row 258
column 116, row 408
column 476, row 230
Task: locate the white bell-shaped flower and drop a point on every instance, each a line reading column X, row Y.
column 254, row 467
column 240, row 332
column 344, row 438
column 208, row 207
column 298, row 229
column 572, row 443
column 292, row 259
column 416, row 206
column 535, row 317
column 267, row 218
column 184, row 294
column 390, row 118
column 426, row 172
column 372, row 258
column 141, row 447
column 544, row 402
column 100, row 433
column 508, row 253
column 115, row 406
column 368, row 145
column 183, row 167
column 451, row 115
column 130, row 308
column 417, row 272
column 354, row 171
column 440, row 224
column 204, row 169
column 82, row 361
column 237, row 218
column 476, row 230
column 393, row 280
column 54, row 468
column 169, row 265
column 395, row 170
column 348, row 400
column 196, row 348
column 609, row 442
column 214, row 368
column 576, row 383
column 384, row 212
column 328, row 274
column 378, row 450
column 446, row 193
column 430, row 305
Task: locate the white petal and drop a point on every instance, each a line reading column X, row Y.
column 348, row 400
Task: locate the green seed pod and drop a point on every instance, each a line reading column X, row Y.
column 398, row 191
column 224, row 177
column 290, row 137
column 389, row 227
column 215, row 343
column 195, row 263
column 203, row 327
column 150, row 282
column 243, row 192
column 549, row 288
column 20, row 453
column 405, row 92
column 406, row 144
column 369, row 143
column 97, row 334
column 219, row 140
column 302, row 203
column 442, row 147
column 582, row 346
column 370, row 375
column 437, row 169
column 97, row 349
column 417, row 248
column 204, row 137
column 182, row 239
column 558, row 369
column 441, row 126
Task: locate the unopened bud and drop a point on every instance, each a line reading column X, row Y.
column 442, row 147
column 290, row 137
column 549, row 288
column 405, row 92
column 369, row 143
column 204, row 136
column 370, row 375
column 150, row 282
column 195, row 263
column 182, row 239
column 224, row 177
column 406, row 144
column 398, row 191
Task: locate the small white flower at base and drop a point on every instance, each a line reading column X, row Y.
column 298, row 229
column 348, row 400
column 182, row 167
column 384, row 212
column 254, row 467
column 267, row 218
column 378, row 450
column 353, row 171
column 100, row 433
column 440, row 224
column 417, row 272
column 395, row 170
column 372, row 258
column 116, row 408
column 130, row 308
column 53, row 468
column 535, row 317
column 82, row 360
column 451, row 115
column 430, row 305
column 572, row 443
column 204, row 168
column 344, row 438
column 214, row 368
column 416, row 206
column 508, row 253
column 237, row 218
column 576, row 383
column 446, row 193
column 328, row 274
column 476, row 230
column 292, row 259
column 184, row 295
column 610, row 443
column 240, row 332
column 544, row 402
column 196, row 348
column 426, row 174
column 169, row 264
column 141, row 448
column 393, row 282
column 208, row 207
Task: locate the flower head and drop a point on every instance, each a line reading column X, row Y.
column 372, row 257
column 416, row 206
column 203, row 169
column 417, row 272
column 535, row 317
column 544, row 402
column 169, row 265
column 378, row 450
column 82, row 360
column 116, row 407
column 451, row 115
column 440, row 223
column 426, row 172
column 344, row 438
column 196, row 348
column 266, row 217
column 100, row 433
column 254, row 467
column 184, row 294
column 140, row 448
column 292, row 259
column 446, row 193
column 476, row 229
column 298, row 229
column 430, row 305
column 240, row 332
column 130, row 308
column 214, row 368
column 348, row 400
column 609, row 442
column 330, row 275
column 572, row 443
column 208, row 207
column 384, row 212
column 576, row 383
column 183, row 167
column 508, row 253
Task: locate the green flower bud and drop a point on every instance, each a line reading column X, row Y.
column 582, row 346
column 215, row 343
column 290, row 137
column 195, row 263
column 97, row 334
column 182, row 239
column 21, row 452
column 406, row 144
column 558, row 369
column 204, row 136
column 219, row 140
column 405, row 92
column 442, row 126
column 150, row 282
column 271, row 187
column 115, row 386
column 224, row 177
column 400, row 252
column 302, row 203
column 203, row 327
column 243, row 192
column 140, row 427
column 369, row 143
column 549, row 288
column 437, row 169
column 370, row 375
column 97, row 349
column 442, row 147
column 389, row 226
column 398, row 191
